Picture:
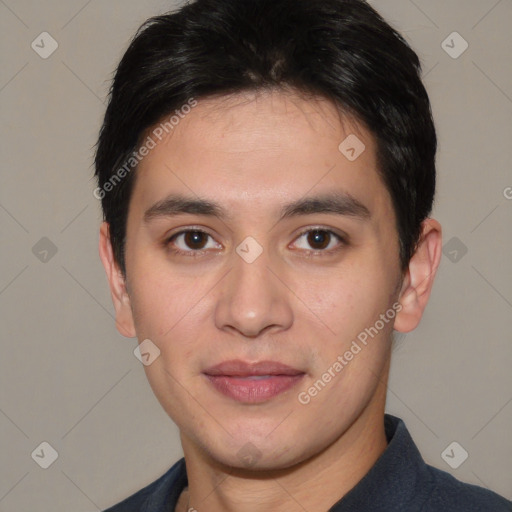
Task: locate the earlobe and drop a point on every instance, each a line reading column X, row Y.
column 117, row 284
column 419, row 277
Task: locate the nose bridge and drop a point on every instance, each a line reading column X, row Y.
column 252, row 298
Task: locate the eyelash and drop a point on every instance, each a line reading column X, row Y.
column 342, row 241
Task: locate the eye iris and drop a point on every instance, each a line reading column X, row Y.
column 318, row 237
column 194, row 238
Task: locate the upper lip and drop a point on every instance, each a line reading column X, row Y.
column 239, row 368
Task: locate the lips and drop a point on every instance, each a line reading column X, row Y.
column 252, row 382
column 238, row 368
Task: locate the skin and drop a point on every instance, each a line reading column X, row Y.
column 252, row 153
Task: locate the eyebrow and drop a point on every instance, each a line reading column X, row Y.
column 339, row 203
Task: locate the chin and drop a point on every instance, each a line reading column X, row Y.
column 256, row 453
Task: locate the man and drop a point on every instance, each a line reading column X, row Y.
column 267, row 171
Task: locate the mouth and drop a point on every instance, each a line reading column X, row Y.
column 252, row 383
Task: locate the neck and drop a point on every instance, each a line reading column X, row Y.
column 314, row 485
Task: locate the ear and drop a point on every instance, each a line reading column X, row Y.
column 116, row 281
column 419, row 277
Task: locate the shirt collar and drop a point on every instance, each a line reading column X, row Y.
column 395, row 481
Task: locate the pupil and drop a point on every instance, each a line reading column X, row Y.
column 318, row 238
column 194, row 238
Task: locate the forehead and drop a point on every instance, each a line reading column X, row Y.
column 259, row 150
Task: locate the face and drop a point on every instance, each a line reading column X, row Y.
column 258, row 255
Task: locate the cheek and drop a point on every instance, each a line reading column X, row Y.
column 350, row 308
column 161, row 299
column 171, row 390
column 346, row 300
column 170, row 311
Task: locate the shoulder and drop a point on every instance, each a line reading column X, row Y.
column 449, row 494
column 156, row 496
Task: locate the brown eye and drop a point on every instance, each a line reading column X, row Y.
column 195, row 239
column 191, row 241
column 319, row 240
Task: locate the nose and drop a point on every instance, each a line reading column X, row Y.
column 252, row 299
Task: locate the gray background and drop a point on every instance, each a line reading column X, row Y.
column 68, row 378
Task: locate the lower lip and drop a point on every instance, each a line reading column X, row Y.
column 251, row 390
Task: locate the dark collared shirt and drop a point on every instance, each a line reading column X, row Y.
column 399, row 481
